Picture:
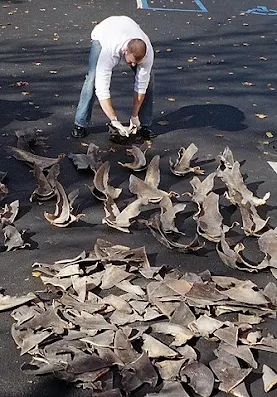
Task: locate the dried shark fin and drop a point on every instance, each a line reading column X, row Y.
column 270, row 291
column 169, row 369
column 152, row 194
column 25, row 138
column 3, row 190
column 156, row 349
column 8, row 302
column 139, row 372
column 239, row 391
column 226, row 158
column 228, row 335
column 170, row 389
column 36, row 367
column 122, row 220
column 242, row 352
column 31, row 159
column 181, row 334
column 62, row 216
column 246, row 294
column 155, row 226
column 205, row 325
column 139, row 162
column 152, row 176
column 90, row 160
column 231, row 257
column 268, row 245
column 167, row 218
column 253, row 224
column 13, row 238
column 228, row 375
column 112, row 276
column 209, row 220
column 121, row 254
column 269, row 378
column 101, row 188
column 182, row 164
column 200, row 378
column 201, row 189
column 9, row 213
column 234, row 181
column 46, row 183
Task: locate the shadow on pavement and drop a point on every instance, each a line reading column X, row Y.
column 219, row 116
column 50, row 385
column 19, row 110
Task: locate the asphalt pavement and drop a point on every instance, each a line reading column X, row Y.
column 215, row 86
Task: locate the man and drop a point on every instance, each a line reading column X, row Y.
column 116, row 38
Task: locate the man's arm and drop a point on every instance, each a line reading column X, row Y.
column 137, row 102
column 107, row 107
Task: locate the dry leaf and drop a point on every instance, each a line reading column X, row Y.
column 248, row 84
column 260, row 115
column 269, row 134
column 163, row 122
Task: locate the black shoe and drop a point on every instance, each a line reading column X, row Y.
column 146, row 133
column 79, row 132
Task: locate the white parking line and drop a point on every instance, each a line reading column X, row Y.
column 199, row 7
column 273, row 165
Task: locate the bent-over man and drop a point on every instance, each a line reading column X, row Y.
column 113, row 39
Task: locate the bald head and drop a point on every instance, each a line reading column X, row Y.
column 137, row 48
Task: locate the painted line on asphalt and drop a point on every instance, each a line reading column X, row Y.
column 143, row 4
column 261, row 10
column 273, row 165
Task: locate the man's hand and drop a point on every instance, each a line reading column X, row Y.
column 134, row 122
column 123, row 131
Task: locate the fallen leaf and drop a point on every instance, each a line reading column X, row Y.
column 269, row 134
column 163, row 122
column 260, row 115
column 19, row 84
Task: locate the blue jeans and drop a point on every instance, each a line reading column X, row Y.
column 87, row 96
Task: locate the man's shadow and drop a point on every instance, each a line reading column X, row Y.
column 220, row 117
column 19, row 110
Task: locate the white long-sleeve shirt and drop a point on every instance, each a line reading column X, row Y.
column 114, row 33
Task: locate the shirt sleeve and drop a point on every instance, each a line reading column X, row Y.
column 104, row 69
